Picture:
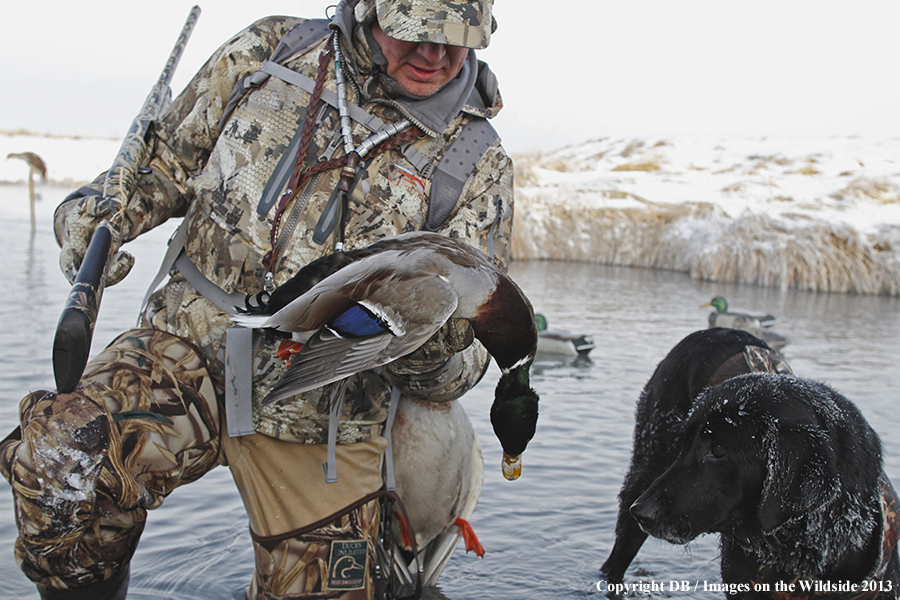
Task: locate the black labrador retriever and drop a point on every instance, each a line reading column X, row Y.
column 790, row 474
column 701, row 359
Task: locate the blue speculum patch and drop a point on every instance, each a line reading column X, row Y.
column 358, row 321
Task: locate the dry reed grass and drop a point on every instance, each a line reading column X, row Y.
column 647, row 165
column 882, row 191
column 699, row 239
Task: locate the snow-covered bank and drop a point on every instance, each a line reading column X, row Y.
column 810, row 214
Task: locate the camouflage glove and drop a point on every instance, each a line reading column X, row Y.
column 73, row 223
column 443, row 368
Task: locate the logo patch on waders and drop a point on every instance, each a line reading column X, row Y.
column 347, row 565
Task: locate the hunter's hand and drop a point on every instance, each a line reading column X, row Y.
column 74, row 223
column 435, row 371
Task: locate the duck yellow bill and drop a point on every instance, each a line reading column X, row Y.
column 512, row 466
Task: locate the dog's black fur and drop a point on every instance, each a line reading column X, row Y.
column 661, row 413
column 788, row 472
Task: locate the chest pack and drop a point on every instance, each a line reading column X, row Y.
column 448, row 178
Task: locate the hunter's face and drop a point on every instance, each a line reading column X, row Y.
column 420, row 68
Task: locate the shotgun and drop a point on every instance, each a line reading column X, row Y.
column 72, row 344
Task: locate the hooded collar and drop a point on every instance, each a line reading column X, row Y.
column 434, row 112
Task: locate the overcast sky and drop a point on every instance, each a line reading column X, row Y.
column 569, row 70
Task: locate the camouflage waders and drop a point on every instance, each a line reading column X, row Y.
column 144, row 420
column 307, row 543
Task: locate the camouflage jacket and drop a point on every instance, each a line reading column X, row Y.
column 215, row 179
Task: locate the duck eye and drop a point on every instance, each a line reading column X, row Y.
column 717, row 451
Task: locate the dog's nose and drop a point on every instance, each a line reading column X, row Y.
column 645, row 510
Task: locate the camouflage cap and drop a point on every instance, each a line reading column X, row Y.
column 456, row 22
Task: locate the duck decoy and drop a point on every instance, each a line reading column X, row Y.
column 725, row 318
column 759, row 324
column 367, row 307
column 559, row 341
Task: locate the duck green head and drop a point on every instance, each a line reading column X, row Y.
column 514, row 415
column 541, row 321
column 719, row 303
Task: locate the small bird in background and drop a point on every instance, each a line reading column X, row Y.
column 35, row 163
column 36, row 166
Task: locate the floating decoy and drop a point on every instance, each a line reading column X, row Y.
column 759, row 324
column 559, row 341
column 369, row 306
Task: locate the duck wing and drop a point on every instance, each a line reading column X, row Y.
column 360, row 325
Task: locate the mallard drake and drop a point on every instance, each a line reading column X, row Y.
column 759, row 324
column 559, row 341
column 440, row 472
column 367, row 307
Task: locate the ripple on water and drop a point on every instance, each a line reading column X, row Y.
column 545, row 534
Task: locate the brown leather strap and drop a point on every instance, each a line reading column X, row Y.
column 271, row 540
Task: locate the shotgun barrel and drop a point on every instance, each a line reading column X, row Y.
column 72, row 344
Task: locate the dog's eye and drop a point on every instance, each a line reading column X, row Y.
column 717, row 451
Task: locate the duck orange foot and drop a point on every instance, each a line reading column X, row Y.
column 405, row 540
column 468, row 534
column 287, row 349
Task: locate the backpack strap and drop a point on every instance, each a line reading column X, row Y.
column 302, row 36
column 447, row 179
column 455, row 168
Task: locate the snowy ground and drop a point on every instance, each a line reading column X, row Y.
column 812, row 214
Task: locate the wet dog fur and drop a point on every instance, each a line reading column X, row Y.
column 788, row 472
column 660, row 416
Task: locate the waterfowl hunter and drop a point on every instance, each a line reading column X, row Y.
column 367, row 307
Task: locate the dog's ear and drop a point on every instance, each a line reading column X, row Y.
column 801, row 473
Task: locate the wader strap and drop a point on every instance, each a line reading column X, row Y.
column 177, row 259
column 455, row 168
column 273, row 540
column 302, row 36
column 334, row 421
column 176, row 245
column 358, row 114
column 239, row 381
column 224, row 301
column 390, row 483
column 238, row 341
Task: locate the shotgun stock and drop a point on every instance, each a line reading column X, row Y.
column 72, row 344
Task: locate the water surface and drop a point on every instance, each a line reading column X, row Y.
column 545, row 534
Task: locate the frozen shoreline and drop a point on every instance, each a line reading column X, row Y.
column 819, row 215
